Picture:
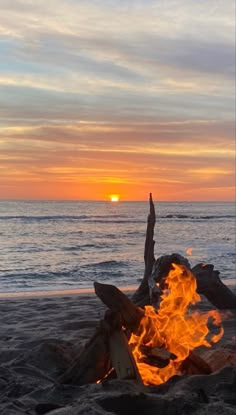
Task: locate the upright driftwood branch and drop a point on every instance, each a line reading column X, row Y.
column 141, row 296
column 149, row 257
column 209, row 283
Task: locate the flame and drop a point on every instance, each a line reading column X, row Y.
column 189, row 251
column 173, row 328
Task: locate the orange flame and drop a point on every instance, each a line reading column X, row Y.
column 173, row 328
column 189, row 251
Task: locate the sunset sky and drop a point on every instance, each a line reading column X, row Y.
column 102, row 97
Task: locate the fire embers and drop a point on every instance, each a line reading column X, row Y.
column 165, row 338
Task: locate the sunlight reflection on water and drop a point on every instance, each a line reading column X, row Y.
column 68, row 245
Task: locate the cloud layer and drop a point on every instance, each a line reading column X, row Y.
column 103, row 96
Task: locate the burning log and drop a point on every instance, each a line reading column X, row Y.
column 117, row 301
column 174, row 330
column 122, row 360
column 109, row 346
column 121, row 357
column 209, row 283
column 155, row 356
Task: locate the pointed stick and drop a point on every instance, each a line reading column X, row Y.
column 141, row 296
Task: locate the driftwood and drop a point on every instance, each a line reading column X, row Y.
column 109, row 346
column 141, row 296
column 156, row 356
column 195, row 365
column 210, row 285
column 117, row 301
column 122, row 358
column 93, row 363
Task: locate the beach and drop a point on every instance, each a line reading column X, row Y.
column 41, row 336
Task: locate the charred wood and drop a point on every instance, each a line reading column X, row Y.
column 195, row 365
column 210, row 285
column 158, row 352
column 117, row 301
column 156, row 356
column 93, row 363
column 109, row 345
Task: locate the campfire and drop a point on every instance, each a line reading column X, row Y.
column 155, row 334
column 167, row 336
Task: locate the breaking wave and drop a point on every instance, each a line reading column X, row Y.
column 195, row 217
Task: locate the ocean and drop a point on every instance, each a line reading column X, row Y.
column 64, row 245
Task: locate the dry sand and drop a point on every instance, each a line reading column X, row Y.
column 40, row 335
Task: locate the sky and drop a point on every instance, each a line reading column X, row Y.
column 101, row 97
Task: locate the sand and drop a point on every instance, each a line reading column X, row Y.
column 40, row 336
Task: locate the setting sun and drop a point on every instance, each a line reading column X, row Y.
column 114, row 198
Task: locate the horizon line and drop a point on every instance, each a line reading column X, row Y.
column 109, row 201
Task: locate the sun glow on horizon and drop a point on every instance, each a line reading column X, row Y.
column 114, row 198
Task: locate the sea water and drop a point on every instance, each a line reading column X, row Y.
column 59, row 245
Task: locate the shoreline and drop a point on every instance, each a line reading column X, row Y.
column 78, row 291
column 49, row 293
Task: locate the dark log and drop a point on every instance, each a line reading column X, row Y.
column 156, row 356
column 117, row 301
column 160, row 270
column 94, row 362
column 155, row 361
column 141, row 296
column 210, row 285
column 163, row 265
column 195, row 365
column 158, row 352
